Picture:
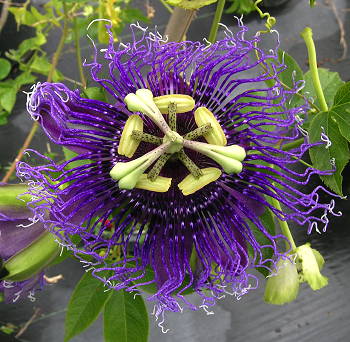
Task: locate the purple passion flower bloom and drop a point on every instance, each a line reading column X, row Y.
column 173, row 174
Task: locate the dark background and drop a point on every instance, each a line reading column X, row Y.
column 315, row 316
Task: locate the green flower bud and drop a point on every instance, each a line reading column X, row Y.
column 32, row 259
column 283, row 287
column 309, row 263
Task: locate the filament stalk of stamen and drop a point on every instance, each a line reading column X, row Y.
column 198, row 132
column 190, row 165
column 172, row 115
column 157, row 167
column 149, row 138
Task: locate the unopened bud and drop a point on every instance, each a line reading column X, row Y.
column 32, row 259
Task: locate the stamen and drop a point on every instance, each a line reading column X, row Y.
column 149, row 138
column 157, row 167
column 190, row 165
column 184, row 103
column 143, row 102
column 190, row 185
column 172, row 115
column 198, row 132
column 216, row 136
column 127, row 145
column 160, row 184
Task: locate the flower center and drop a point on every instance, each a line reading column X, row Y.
column 132, row 174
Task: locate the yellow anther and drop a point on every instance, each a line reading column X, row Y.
column 190, row 184
column 216, row 135
column 160, row 184
column 184, row 103
column 127, row 144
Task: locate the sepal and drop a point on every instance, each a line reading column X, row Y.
column 309, row 262
column 283, row 286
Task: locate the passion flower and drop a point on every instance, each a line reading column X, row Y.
column 173, row 173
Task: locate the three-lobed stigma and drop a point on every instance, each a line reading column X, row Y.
column 132, row 174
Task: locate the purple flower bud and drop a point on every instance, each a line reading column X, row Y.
column 26, row 248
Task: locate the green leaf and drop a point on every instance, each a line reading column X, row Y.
column 8, row 99
column 5, row 68
column 125, row 318
column 321, row 156
column 267, row 219
column 293, row 72
column 95, row 93
column 87, row 301
column 312, row 3
column 41, row 65
column 330, row 82
column 341, row 110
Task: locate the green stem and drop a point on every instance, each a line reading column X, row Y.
column 306, row 34
column 293, row 144
column 215, row 24
column 166, row 6
column 78, row 52
column 60, row 45
column 284, row 226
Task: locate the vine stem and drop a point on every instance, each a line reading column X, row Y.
column 78, row 52
column 306, row 34
column 284, row 226
column 170, row 10
column 4, row 14
column 179, row 23
column 215, row 24
column 35, row 125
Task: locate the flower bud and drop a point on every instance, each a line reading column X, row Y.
column 32, row 259
column 216, row 135
column 12, row 203
column 283, row 287
column 190, row 184
column 310, row 262
column 127, row 144
column 184, row 103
